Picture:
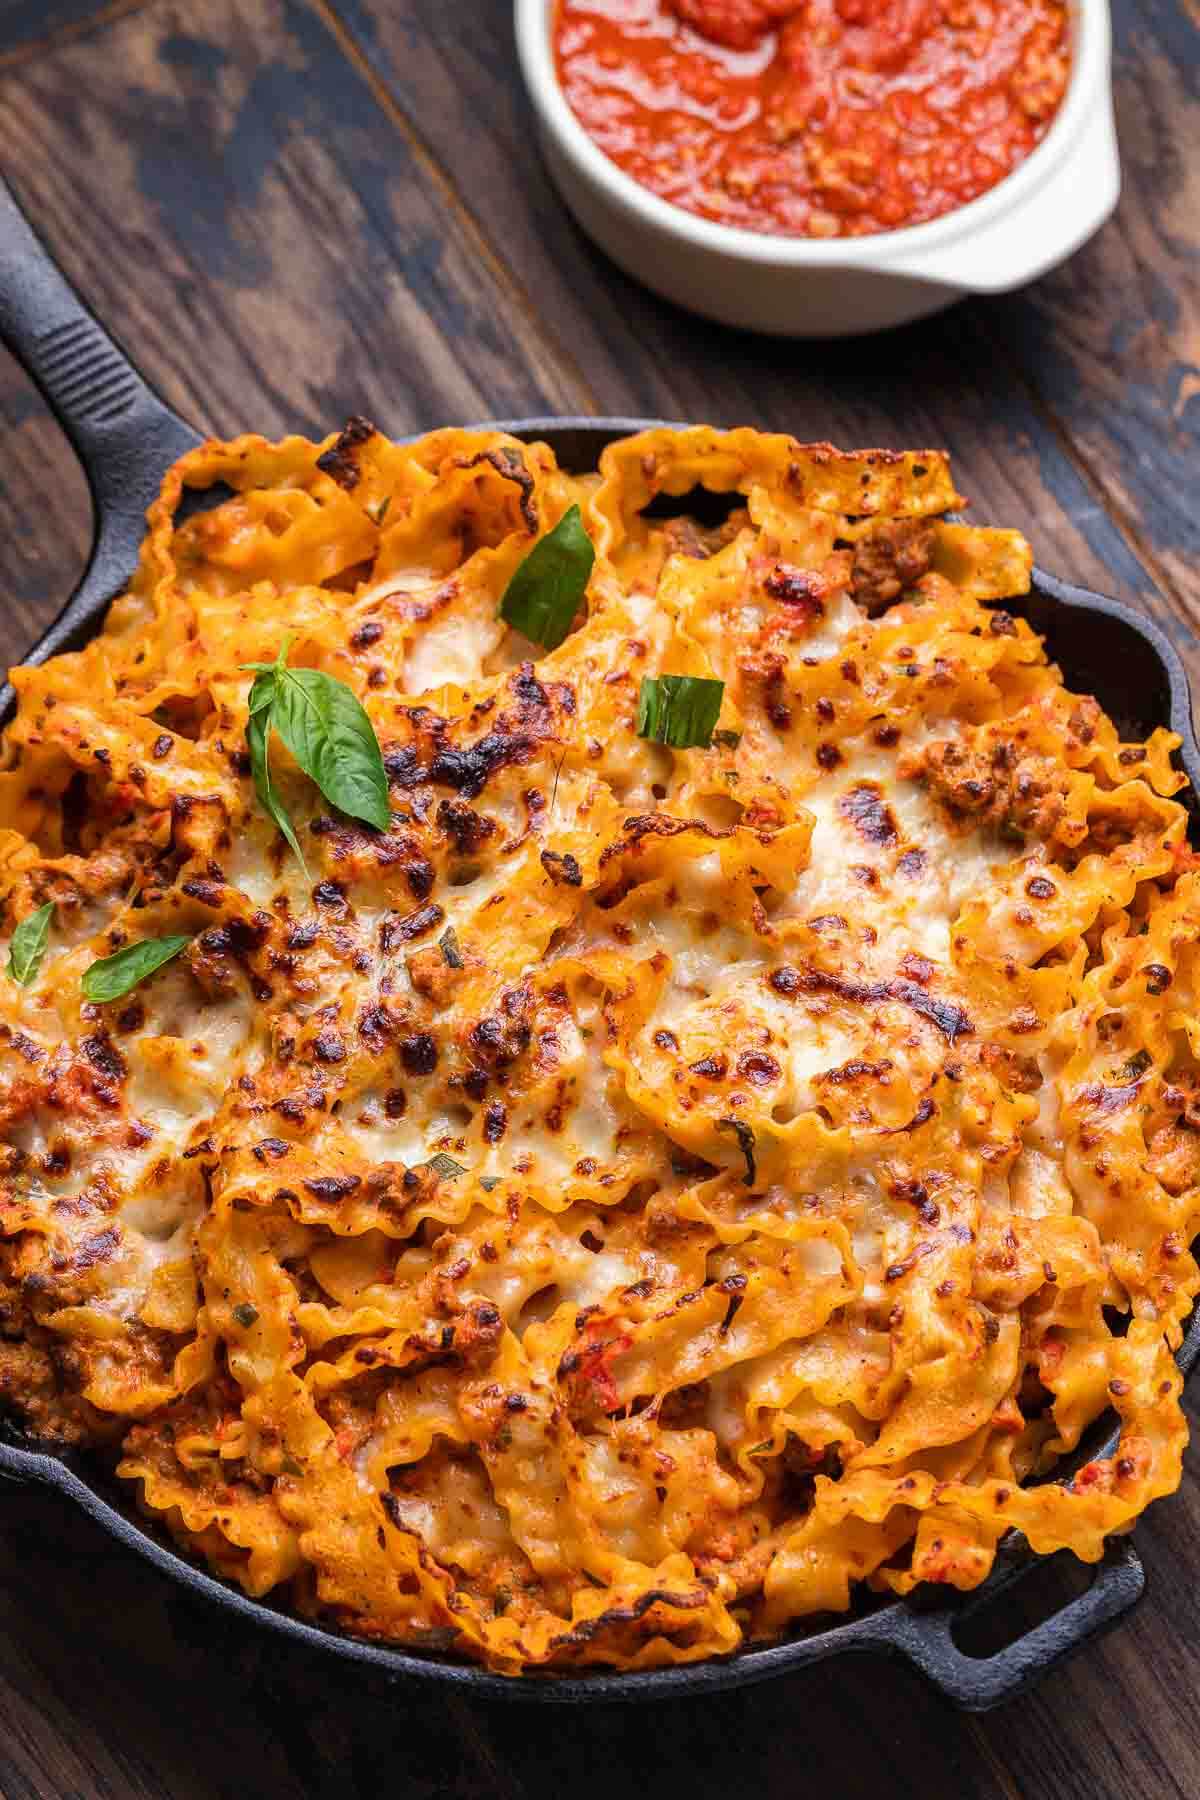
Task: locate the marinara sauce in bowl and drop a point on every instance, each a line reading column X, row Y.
column 819, row 167
column 815, row 118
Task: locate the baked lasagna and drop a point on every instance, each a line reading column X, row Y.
column 713, row 1130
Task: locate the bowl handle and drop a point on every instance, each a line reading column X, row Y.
column 1071, row 204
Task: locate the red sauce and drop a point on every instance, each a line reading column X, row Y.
column 815, row 118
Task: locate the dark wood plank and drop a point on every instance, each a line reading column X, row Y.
column 1113, row 338
column 256, row 228
column 26, row 26
column 220, row 183
column 450, row 67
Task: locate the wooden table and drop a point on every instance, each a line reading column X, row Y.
column 292, row 210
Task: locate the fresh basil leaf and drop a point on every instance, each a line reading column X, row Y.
column 679, row 710
column 262, row 689
column 27, row 945
column 546, row 590
column 488, row 1182
column 258, row 741
column 258, row 734
column 446, row 1166
column 326, row 729
column 113, row 976
column 448, row 945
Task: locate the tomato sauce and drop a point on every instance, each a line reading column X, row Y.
column 815, row 118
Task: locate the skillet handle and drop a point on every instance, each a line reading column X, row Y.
column 978, row 1683
column 124, row 435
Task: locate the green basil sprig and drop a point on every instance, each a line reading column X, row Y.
column 546, row 590
column 326, row 729
column 27, row 946
column 679, row 710
column 449, row 946
column 258, row 731
column 113, row 976
column 445, row 1166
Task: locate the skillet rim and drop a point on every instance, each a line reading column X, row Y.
column 922, row 1636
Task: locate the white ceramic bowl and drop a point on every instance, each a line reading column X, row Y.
column 803, row 287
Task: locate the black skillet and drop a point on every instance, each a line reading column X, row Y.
column 125, row 436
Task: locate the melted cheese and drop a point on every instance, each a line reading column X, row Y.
column 646, row 1192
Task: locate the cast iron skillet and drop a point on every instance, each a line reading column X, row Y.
column 124, row 436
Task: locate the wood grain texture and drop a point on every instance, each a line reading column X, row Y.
column 223, row 188
column 28, row 26
column 294, row 209
column 1112, row 339
column 219, row 181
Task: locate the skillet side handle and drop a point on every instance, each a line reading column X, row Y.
column 979, row 1683
column 124, row 435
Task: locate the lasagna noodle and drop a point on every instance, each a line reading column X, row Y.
column 645, row 1194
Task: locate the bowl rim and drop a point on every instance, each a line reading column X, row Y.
column 1089, row 74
